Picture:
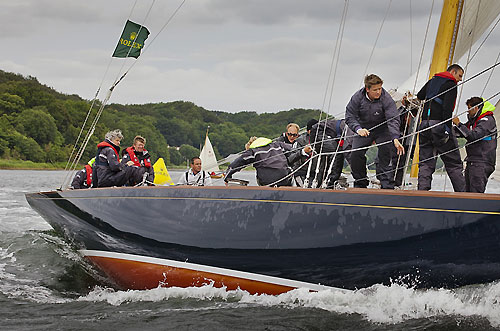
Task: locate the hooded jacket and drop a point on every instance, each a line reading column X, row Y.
column 481, row 132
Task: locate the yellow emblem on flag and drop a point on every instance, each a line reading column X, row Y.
column 133, row 35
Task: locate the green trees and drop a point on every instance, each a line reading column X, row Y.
column 39, row 124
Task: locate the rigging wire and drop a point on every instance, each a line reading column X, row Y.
column 103, row 104
column 75, row 161
column 423, row 48
column 404, row 137
column 489, row 77
column 340, row 38
column 343, row 19
column 485, row 38
column 376, row 40
column 411, row 40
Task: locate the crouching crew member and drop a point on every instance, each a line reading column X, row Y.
column 269, row 160
column 83, row 178
column 301, row 150
column 372, row 115
column 108, row 171
column 328, row 136
column 195, row 176
column 480, row 131
column 140, row 158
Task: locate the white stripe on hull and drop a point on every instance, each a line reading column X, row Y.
column 209, row 269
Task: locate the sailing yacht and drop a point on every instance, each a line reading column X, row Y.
column 271, row 240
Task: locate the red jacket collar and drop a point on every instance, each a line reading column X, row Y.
column 446, row 74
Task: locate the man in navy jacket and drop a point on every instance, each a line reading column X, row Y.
column 372, row 115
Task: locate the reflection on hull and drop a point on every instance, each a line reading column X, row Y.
column 350, row 239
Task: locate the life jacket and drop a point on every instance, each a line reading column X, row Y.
column 135, row 159
column 435, row 85
column 88, row 171
column 488, row 113
column 101, row 146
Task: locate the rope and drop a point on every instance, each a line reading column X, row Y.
column 376, row 39
column 76, row 160
column 485, row 38
column 423, row 48
column 110, row 91
column 489, row 77
column 335, row 53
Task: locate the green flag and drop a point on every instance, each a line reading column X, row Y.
column 132, row 40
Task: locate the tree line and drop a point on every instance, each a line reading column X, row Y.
column 40, row 124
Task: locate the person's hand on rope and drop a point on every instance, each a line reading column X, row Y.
column 455, row 121
column 307, row 149
column 399, row 147
column 363, row 132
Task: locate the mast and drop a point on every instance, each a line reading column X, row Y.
column 444, row 48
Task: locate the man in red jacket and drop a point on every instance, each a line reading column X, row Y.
column 140, row 158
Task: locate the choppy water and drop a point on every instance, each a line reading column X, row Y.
column 44, row 285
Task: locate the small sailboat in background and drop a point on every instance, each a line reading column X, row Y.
column 208, row 159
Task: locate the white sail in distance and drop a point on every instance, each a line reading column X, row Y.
column 208, row 159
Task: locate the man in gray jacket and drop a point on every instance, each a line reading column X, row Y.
column 480, row 131
column 372, row 115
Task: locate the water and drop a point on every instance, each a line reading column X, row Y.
column 44, row 285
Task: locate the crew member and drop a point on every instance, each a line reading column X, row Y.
column 372, row 115
column 328, row 136
column 108, row 171
column 269, row 160
column 195, row 176
column 302, row 152
column 480, row 131
column 440, row 93
column 140, row 157
column 83, row 178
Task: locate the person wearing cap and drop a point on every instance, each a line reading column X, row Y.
column 480, row 131
column 140, row 158
column 269, row 159
column 83, row 178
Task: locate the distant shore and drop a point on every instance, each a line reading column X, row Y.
column 8, row 164
column 30, row 165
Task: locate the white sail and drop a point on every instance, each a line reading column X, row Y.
column 208, row 159
column 477, row 16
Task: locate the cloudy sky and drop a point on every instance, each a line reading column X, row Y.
column 259, row 55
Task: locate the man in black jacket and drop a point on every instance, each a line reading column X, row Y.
column 108, row 171
column 438, row 138
column 480, row 131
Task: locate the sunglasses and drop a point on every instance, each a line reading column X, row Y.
column 291, row 134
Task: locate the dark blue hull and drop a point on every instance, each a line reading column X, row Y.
column 350, row 239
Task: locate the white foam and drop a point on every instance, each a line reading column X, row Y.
column 381, row 304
